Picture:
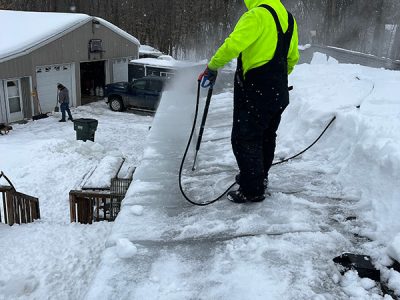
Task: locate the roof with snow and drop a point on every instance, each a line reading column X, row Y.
column 27, row 31
column 146, row 49
column 162, row 61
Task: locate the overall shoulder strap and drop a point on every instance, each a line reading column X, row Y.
column 290, row 29
column 275, row 16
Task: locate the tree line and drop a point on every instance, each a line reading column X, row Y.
column 194, row 29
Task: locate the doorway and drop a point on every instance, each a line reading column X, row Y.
column 93, row 79
column 14, row 103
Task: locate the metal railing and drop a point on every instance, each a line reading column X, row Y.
column 119, row 186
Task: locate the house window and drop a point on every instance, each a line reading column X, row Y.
column 14, row 98
column 140, row 84
column 166, row 74
column 155, row 85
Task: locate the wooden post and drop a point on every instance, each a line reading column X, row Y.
column 89, row 206
column 34, row 208
column 97, row 209
column 29, row 212
column 10, row 208
column 24, row 203
column 37, row 209
column 2, row 193
column 72, row 207
column 16, row 209
column 5, row 207
column 85, row 210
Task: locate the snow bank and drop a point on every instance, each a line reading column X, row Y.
column 394, row 248
column 46, row 260
column 363, row 146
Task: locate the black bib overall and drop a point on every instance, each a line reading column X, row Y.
column 260, row 97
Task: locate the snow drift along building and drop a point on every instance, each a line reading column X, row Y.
column 39, row 50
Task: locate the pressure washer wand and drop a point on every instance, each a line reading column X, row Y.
column 203, row 123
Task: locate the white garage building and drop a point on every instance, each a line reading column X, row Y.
column 39, row 50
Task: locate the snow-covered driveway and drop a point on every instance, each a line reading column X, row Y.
column 52, row 258
column 163, row 248
column 341, row 195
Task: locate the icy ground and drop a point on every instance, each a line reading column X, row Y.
column 52, row 258
column 341, row 195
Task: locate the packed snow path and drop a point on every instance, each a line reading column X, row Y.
column 161, row 247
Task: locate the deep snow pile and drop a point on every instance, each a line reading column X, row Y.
column 52, row 258
column 363, row 148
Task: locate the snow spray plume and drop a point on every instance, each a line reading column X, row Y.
column 212, row 31
column 355, row 25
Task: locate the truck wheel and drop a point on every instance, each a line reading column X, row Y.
column 116, row 104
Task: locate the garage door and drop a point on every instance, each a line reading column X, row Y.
column 47, row 78
column 120, row 70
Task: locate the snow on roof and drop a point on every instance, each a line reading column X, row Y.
column 26, row 31
column 161, row 62
column 146, row 49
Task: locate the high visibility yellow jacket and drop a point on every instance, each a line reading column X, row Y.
column 255, row 36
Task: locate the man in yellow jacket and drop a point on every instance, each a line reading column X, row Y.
column 265, row 41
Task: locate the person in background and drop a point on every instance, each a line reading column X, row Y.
column 63, row 99
column 265, row 41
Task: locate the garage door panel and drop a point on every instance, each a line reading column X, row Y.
column 120, row 70
column 47, row 78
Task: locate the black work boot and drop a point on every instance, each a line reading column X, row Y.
column 61, row 120
column 238, row 197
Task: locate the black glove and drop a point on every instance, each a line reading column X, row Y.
column 208, row 75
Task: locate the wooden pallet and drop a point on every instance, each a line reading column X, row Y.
column 100, row 200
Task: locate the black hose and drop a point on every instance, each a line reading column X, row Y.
column 184, row 157
column 190, row 140
column 300, row 153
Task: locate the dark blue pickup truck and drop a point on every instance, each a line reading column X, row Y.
column 144, row 93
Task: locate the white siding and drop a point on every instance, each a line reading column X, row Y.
column 120, row 70
column 47, row 78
